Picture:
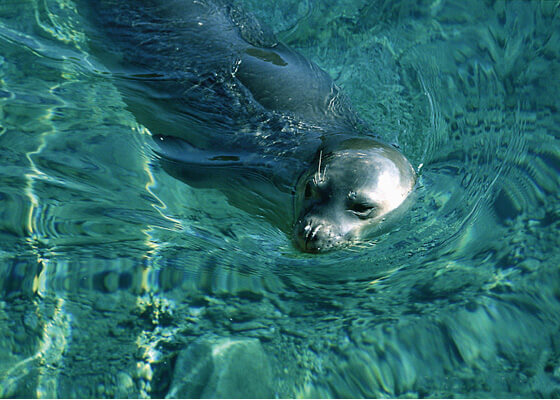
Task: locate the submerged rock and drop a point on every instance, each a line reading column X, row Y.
column 228, row 367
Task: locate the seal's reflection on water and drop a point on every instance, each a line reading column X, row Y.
column 230, row 107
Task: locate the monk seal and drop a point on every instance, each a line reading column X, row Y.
column 351, row 194
column 231, row 107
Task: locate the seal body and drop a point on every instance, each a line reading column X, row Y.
column 231, row 107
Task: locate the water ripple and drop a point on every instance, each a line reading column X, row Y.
column 99, row 242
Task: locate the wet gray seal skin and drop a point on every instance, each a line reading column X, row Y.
column 231, row 107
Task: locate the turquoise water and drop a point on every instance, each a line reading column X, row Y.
column 117, row 280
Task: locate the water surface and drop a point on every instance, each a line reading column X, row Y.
column 110, row 268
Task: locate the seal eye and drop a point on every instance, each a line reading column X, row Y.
column 362, row 210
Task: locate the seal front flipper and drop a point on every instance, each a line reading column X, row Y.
column 180, row 151
column 210, row 168
column 228, row 171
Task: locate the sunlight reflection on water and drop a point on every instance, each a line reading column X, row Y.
column 111, row 267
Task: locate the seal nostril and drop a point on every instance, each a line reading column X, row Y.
column 316, row 236
column 312, row 237
column 315, row 231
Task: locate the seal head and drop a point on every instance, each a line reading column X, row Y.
column 349, row 194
